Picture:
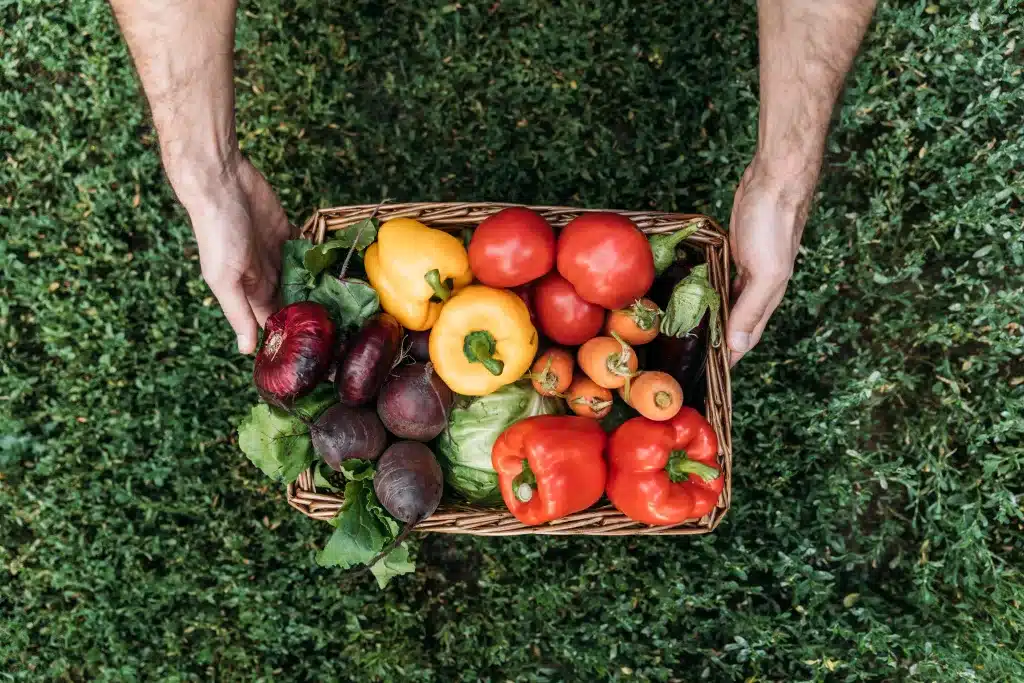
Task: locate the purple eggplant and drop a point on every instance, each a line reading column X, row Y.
column 683, row 352
column 685, row 358
column 371, row 355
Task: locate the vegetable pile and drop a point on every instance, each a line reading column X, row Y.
column 407, row 365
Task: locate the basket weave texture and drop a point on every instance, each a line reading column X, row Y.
column 601, row 520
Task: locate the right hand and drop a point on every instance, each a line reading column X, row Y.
column 240, row 227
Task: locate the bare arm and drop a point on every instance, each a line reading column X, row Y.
column 806, row 50
column 184, row 53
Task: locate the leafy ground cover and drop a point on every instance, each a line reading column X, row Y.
column 876, row 528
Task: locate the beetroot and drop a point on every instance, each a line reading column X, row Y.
column 408, row 482
column 419, row 345
column 414, row 402
column 342, row 432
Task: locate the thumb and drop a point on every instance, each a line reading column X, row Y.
column 753, row 305
column 231, row 295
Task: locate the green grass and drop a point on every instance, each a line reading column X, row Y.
column 876, row 528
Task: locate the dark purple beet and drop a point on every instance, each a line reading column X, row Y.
column 342, row 432
column 371, row 355
column 419, row 345
column 415, row 402
column 408, row 481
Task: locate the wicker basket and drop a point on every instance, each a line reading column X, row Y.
column 602, row 520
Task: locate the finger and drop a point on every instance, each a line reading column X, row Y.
column 755, row 336
column 263, row 295
column 772, row 305
column 756, row 295
column 235, row 305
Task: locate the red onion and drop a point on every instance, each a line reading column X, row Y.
column 298, row 347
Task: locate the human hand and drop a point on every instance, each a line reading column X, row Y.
column 240, row 227
column 768, row 215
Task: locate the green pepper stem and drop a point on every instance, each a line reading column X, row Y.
column 680, row 467
column 442, row 290
column 479, row 347
column 524, row 483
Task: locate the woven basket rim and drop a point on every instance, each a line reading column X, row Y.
column 601, row 520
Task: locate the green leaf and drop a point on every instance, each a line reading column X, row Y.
column 692, row 297
column 356, row 469
column 322, row 476
column 321, row 257
column 320, row 399
column 276, row 442
column 359, row 535
column 364, row 528
column 382, row 515
column 349, row 301
column 296, row 280
column 394, row 564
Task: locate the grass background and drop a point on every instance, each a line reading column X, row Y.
column 876, row 528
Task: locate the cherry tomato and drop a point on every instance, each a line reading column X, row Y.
column 511, row 248
column 606, row 258
column 562, row 314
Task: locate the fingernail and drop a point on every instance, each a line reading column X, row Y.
column 244, row 343
column 739, row 341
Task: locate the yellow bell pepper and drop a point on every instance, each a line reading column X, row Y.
column 482, row 340
column 415, row 269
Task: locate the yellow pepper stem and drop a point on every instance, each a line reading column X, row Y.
column 442, row 290
column 479, row 347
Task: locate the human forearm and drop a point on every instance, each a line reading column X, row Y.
column 806, row 50
column 806, row 47
column 183, row 51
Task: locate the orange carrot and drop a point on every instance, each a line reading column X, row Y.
column 552, row 372
column 587, row 399
column 655, row 395
column 609, row 361
column 637, row 324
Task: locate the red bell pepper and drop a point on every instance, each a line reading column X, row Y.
column 664, row 472
column 550, row 466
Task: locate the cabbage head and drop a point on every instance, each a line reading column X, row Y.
column 464, row 449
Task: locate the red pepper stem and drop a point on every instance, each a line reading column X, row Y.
column 524, row 483
column 680, row 467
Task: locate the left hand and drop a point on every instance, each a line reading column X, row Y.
column 768, row 216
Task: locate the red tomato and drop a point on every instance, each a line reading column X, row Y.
column 511, row 248
column 562, row 314
column 606, row 258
